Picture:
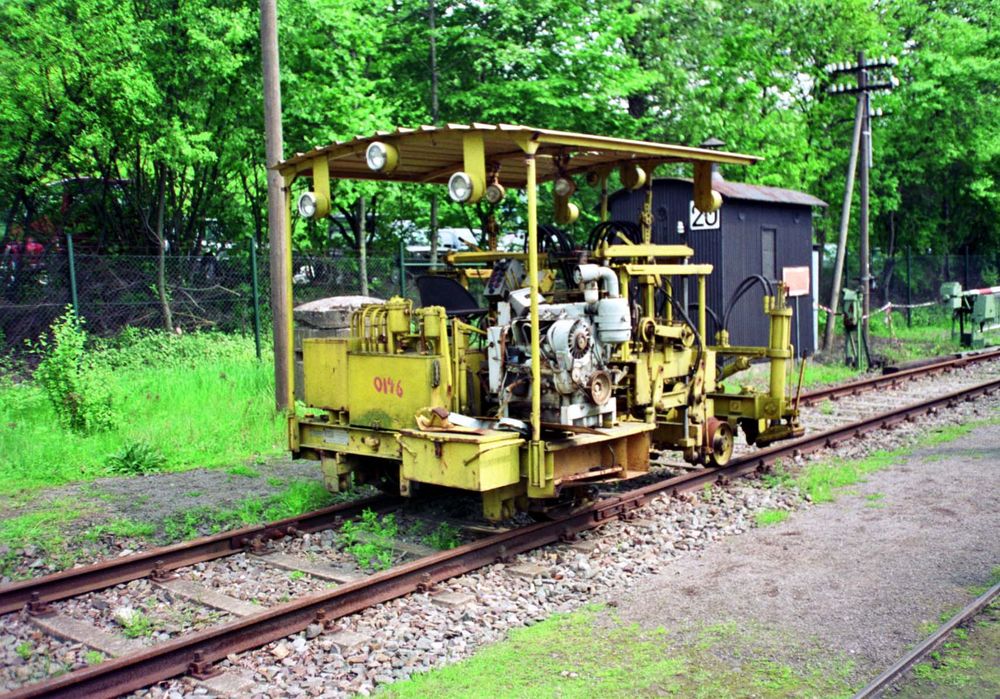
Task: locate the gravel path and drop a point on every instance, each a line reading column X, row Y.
column 861, row 576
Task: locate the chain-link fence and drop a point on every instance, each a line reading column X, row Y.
column 909, row 278
column 115, row 291
column 216, row 291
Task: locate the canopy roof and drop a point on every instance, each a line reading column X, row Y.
column 430, row 154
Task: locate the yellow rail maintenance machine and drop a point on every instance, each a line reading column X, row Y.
column 579, row 362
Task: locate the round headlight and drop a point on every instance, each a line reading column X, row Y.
column 460, row 187
column 307, row 205
column 564, row 186
column 494, row 193
column 381, row 157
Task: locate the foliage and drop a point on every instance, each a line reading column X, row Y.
column 96, row 88
column 371, row 540
column 76, row 391
column 24, row 650
column 136, row 459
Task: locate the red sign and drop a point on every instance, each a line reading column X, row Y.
column 797, row 279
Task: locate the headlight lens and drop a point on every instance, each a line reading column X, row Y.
column 307, row 205
column 460, row 187
column 380, row 157
column 494, row 193
column 564, row 186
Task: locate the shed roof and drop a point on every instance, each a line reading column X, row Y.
column 751, row 192
column 432, row 154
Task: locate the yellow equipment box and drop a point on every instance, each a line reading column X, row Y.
column 471, row 461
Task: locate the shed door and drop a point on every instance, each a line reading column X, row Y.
column 767, row 259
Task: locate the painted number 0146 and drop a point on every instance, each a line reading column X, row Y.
column 388, row 386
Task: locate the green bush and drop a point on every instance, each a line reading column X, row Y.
column 77, row 392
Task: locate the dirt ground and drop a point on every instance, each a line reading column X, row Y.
column 157, row 496
column 860, row 580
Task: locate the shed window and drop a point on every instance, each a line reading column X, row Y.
column 767, row 263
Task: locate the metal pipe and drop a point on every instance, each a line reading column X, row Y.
column 255, row 287
column 536, row 366
column 72, row 274
column 701, row 309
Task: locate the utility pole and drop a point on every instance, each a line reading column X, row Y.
column 861, row 71
column 431, row 20
column 278, row 247
column 845, row 221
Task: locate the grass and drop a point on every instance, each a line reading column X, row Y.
column 197, row 400
column 766, row 518
column 590, row 653
column 967, row 665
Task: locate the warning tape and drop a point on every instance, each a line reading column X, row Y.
column 887, row 308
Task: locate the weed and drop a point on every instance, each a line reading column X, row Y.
column 94, row 657
column 136, row 459
column 77, row 393
column 275, row 482
column 193, row 494
column 446, row 536
column 244, row 471
column 135, row 624
column 296, row 575
column 371, row 540
column 766, row 518
column 826, row 407
column 24, row 650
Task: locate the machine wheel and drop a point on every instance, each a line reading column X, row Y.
column 721, row 438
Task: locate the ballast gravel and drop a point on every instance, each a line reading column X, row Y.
column 645, row 566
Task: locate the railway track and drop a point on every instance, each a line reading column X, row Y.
column 880, row 684
column 195, row 652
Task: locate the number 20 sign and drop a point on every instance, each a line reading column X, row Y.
column 701, row 221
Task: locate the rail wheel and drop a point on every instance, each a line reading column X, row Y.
column 721, row 437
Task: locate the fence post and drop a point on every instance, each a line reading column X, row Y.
column 909, row 292
column 256, row 294
column 71, row 258
column 966, row 284
column 402, row 268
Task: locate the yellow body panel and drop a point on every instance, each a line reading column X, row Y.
column 476, row 462
column 386, row 391
column 325, row 368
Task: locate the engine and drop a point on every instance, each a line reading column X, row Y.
column 577, row 341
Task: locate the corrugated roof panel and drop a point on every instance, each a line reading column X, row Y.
column 422, row 151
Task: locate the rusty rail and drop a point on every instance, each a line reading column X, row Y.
column 882, row 682
column 76, row 581
column 128, row 673
column 870, row 384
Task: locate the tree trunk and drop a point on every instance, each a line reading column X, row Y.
column 161, row 275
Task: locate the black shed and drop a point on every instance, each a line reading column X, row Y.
column 758, row 230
